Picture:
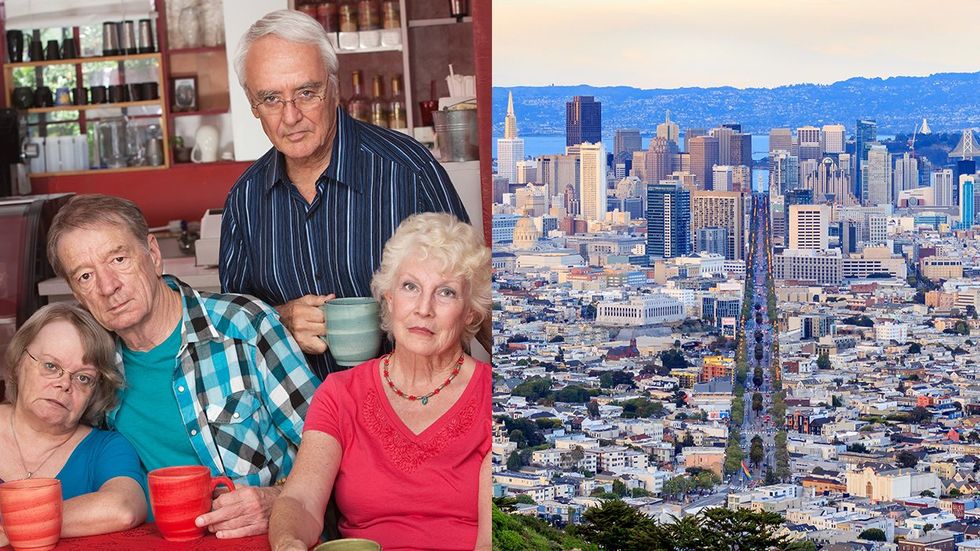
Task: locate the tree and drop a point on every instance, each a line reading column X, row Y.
column 756, row 452
column 593, row 409
column 525, row 499
column 873, row 534
column 517, row 435
column 533, row 388
column 770, row 477
column 823, row 361
column 919, row 414
column 706, row 480
column 757, row 402
column 757, row 377
column 857, row 447
column 836, row 401
column 906, row 459
column 676, row 486
column 953, row 492
column 611, row 525
column 915, row 348
column 619, row 488
column 673, row 359
column 640, row 492
column 927, row 493
column 610, row 379
column 573, row 394
column 927, row 527
column 515, row 462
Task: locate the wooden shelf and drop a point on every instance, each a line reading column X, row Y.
column 97, row 171
column 90, row 106
column 202, row 112
column 198, row 50
column 81, row 60
column 435, row 22
column 369, row 50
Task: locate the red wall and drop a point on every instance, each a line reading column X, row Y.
column 182, row 192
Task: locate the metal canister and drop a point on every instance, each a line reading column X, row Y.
column 128, row 45
column 110, row 38
column 146, row 44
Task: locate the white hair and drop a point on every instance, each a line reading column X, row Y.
column 292, row 26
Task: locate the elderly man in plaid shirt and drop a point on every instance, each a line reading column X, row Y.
column 211, row 379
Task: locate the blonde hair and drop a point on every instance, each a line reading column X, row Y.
column 100, row 352
column 458, row 249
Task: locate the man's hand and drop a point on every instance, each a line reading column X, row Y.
column 244, row 512
column 304, row 319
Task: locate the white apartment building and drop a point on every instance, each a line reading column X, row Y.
column 644, row 310
column 809, row 227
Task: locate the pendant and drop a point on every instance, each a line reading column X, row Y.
column 425, row 400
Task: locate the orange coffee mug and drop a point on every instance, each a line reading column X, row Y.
column 31, row 512
column 178, row 495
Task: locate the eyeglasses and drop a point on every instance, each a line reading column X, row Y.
column 51, row 370
column 306, row 100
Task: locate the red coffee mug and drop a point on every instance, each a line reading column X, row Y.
column 178, row 495
column 31, row 511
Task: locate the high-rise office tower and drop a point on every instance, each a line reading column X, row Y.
column 722, row 178
column 625, row 142
column 712, row 241
column 658, row 162
column 829, row 181
column 690, row 134
column 583, row 120
column 784, row 171
column 739, row 149
column 865, row 134
column 966, row 201
column 876, row 177
column 724, row 136
column 704, row 156
column 793, row 197
column 942, row 187
column 780, row 139
column 809, row 227
column 808, row 138
column 833, row 138
column 669, row 130
column 510, row 148
column 905, row 175
column 668, row 221
column 593, row 178
column 962, row 166
column 721, row 209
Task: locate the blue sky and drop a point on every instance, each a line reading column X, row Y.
column 742, row 43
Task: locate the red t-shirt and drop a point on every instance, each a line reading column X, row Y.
column 405, row 491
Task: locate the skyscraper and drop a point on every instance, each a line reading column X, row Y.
column 658, row 162
column 809, row 139
column 510, row 148
column 966, row 201
column 876, row 177
column 906, row 174
column 721, row 209
column 704, row 156
column 626, row 141
column 669, row 130
column 780, row 139
column 784, row 171
column 583, row 120
column 724, row 135
column 593, row 178
column 942, row 186
column 740, row 149
column 668, row 221
column 809, row 227
column 833, row 138
column 865, row 134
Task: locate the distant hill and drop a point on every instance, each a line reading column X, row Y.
column 949, row 101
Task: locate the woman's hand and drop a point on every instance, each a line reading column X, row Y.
column 290, row 545
column 3, row 538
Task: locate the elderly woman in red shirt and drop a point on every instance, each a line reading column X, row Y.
column 403, row 441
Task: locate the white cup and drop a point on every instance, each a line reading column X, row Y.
column 205, row 145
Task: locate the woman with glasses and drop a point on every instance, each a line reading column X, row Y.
column 60, row 377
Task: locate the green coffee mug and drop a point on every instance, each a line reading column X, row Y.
column 353, row 329
column 349, row 544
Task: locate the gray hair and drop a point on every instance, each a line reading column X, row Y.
column 292, row 26
column 99, row 352
column 456, row 247
column 90, row 211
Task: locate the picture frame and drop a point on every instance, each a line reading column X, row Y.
column 183, row 93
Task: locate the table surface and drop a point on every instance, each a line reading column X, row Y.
column 147, row 538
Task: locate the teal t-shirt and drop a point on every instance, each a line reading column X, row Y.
column 149, row 416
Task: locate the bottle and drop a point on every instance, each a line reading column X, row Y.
column 379, row 107
column 368, row 15
column 391, row 15
column 347, row 17
column 326, row 14
column 358, row 105
column 397, row 118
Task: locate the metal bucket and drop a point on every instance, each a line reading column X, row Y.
column 456, row 135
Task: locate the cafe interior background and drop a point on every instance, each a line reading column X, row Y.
column 138, row 98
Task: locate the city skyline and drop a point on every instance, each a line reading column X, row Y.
column 875, row 38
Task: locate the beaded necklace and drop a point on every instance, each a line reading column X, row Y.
column 425, row 398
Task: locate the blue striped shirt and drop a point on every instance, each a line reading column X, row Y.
column 278, row 247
